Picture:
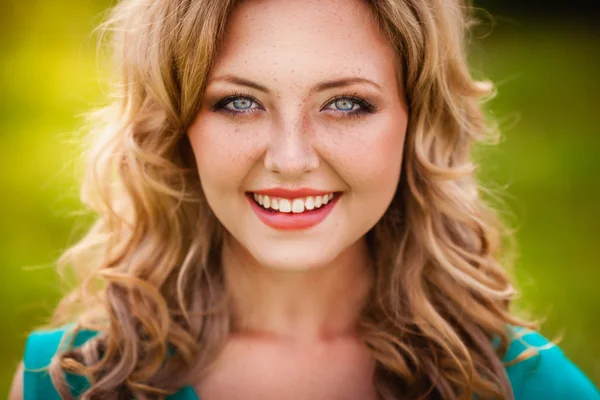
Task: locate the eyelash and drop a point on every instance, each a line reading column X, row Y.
column 365, row 106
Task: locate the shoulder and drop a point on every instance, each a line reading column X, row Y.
column 538, row 369
column 40, row 348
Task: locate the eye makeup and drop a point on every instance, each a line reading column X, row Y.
column 226, row 105
column 365, row 106
column 221, row 105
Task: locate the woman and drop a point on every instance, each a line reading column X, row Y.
column 287, row 210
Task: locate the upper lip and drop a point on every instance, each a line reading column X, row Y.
column 292, row 193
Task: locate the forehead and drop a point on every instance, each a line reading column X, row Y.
column 306, row 39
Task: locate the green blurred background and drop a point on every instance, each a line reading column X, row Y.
column 545, row 64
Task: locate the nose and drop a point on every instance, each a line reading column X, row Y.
column 291, row 151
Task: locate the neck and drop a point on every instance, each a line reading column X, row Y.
column 315, row 304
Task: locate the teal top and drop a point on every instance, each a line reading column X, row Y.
column 548, row 375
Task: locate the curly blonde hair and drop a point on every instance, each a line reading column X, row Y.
column 152, row 283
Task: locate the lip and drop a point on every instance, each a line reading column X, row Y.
column 292, row 221
column 291, row 193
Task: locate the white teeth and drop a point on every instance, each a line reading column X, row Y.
column 318, row 201
column 285, row 205
column 297, row 206
column 309, row 203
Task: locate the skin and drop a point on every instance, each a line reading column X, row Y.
column 16, row 388
column 297, row 294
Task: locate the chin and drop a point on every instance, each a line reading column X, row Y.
column 295, row 257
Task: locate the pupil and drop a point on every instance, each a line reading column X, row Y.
column 344, row 105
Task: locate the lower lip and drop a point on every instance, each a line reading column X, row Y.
column 292, row 221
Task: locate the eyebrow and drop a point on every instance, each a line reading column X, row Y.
column 336, row 83
column 332, row 84
column 240, row 81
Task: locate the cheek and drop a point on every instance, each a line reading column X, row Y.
column 224, row 153
column 369, row 157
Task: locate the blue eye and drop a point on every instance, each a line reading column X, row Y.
column 345, row 104
column 350, row 106
column 237, row 104
column 242, row 103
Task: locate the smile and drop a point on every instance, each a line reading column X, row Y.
column 298, row 205
column 284, row 213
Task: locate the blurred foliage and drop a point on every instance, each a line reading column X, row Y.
column 545, row 165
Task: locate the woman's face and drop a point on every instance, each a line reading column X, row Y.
column 302, row 102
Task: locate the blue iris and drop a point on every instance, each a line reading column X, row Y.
column 242, row 104
column 344, row 104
